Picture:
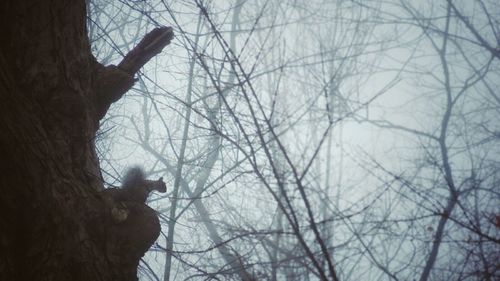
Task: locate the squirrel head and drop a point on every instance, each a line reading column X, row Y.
column 160, row 185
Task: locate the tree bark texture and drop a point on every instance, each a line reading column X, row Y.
column 55, row 224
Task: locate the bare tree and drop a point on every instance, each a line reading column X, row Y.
column 54, row 93
column 307, row 140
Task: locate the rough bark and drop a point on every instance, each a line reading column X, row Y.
column 55, row 223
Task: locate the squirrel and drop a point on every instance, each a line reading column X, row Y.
column 135, row 187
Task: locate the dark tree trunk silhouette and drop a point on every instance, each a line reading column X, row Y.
column 54, row 222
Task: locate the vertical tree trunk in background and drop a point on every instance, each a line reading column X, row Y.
column 180, row 162
column 52, row 95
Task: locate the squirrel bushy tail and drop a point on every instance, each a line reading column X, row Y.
column 134, row 177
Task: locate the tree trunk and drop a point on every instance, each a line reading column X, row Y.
column 55, row 224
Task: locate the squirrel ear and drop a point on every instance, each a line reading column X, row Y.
column 160, row 179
